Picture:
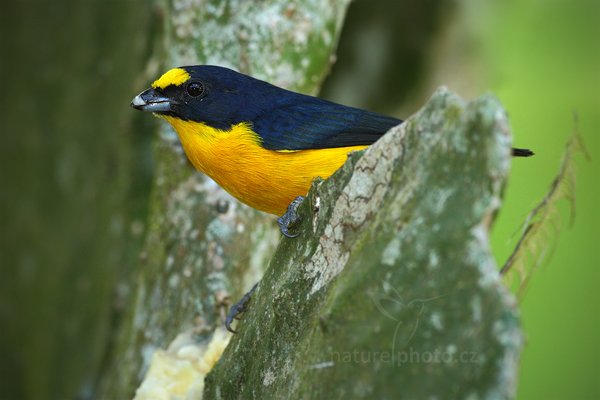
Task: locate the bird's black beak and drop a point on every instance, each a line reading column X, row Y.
column 152, row 101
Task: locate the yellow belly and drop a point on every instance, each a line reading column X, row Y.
column 264, row 179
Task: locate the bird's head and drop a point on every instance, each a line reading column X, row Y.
column 217, row 96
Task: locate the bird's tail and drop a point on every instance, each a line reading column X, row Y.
column 522, row 152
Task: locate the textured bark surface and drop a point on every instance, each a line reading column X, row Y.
column 204, row 248
column 391, row 291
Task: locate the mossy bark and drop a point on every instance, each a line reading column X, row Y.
column 203, row 248
column 391, row 290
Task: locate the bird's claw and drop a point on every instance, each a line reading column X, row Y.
column 238, row 308
column 290, row 218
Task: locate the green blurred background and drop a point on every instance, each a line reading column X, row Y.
column 76, row 165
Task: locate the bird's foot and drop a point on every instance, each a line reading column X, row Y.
column 290, row 218
column 238, row 308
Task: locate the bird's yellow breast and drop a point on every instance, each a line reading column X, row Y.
column 265, row 179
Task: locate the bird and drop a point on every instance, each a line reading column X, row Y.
column 261, row 143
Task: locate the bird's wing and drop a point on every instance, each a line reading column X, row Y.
column 318, row 124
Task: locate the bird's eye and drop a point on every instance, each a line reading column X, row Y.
column 195, row 89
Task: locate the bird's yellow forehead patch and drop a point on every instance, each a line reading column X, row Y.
column 175, row 77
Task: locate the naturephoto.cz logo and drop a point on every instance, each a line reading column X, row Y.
column 449, row 355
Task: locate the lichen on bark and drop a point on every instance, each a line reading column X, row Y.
column 204, row 249
column 391, row 291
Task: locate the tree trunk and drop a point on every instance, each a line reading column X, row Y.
column 391, row 291
column 203, row 248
